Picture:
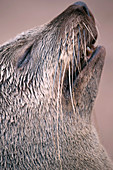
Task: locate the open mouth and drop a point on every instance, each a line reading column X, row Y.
column 86, row 49
column 90, row 50
column 83, row 57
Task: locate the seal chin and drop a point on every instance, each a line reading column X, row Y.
column 86, row 85
column 82, row 90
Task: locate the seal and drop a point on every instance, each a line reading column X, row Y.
column 49, row 78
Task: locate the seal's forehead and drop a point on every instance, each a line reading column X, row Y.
column 82, row 4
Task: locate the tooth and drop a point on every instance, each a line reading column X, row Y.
column 89, row 50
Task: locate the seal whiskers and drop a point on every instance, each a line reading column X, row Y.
column 84, row 38
column 58, row 113
column 89, row 30
column 78, row 53
column 71, row 95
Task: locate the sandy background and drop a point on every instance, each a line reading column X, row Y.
column 18, row 16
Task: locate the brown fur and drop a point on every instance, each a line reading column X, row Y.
column 44, row 123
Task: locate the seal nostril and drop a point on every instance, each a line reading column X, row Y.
column 82, row 4
column 86, row 10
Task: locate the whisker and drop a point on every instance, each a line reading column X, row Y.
column 84, row 34
column 89, row 30
column 78, row 55
column 62, row 88
column 71, row 90
column 59, row 53
column 66, row 50
column 59, row 84
column 72, row 71
column 58, row 97
column 73, row 55
column 74, row 59
column 63, row 74
column 75, row 65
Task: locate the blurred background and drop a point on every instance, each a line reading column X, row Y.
column 18, row 16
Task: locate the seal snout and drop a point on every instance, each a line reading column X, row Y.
column 83, row 5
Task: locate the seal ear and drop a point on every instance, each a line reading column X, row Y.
column 24, row 59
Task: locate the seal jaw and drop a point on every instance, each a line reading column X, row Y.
column 85, row 86
column 87, row 83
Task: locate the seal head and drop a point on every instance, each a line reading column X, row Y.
column 49, row 78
